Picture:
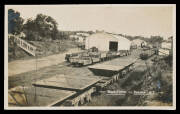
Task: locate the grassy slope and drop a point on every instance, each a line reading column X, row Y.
column 43, row 48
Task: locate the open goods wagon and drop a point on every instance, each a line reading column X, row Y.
column 90, row 57
column 146, row 53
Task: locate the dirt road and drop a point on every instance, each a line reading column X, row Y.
column 28, row 78
column 131, row 80
column 22, row 66
column 61, row 68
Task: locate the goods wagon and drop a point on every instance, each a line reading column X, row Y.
column 146, row 53
column 93, row 56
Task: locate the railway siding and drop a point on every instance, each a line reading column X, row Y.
column 87, row 84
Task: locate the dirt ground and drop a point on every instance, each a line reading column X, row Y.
column 61, row 67
column 22, row 66
column 47, row 67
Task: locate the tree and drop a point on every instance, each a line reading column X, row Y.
column 15, row 22
column 44, row 25
column 62, row 35
column 15, row 27
column 90, row 32
column 156, row 39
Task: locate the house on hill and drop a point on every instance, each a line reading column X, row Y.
column 77, row 38
column 73, row 36
column 82, row 34
column 166, row 45
column 138, row 43
column 166, row 48
column 107, row 42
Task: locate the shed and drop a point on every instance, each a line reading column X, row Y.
column 107, row 42
column 138, row 42
column 73, row 36
column 77, row 38
column 80, row 39
column 166, row 48
column 166, row 45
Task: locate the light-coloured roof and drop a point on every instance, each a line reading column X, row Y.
column 68, row 81
column 110, row 36
column 123, row 39
column 138, row 40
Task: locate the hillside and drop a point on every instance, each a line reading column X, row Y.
column 43, row 49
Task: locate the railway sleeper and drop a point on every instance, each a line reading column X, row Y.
column 81, row 99
column 115, row 78
column 107, row 81
column 101, row 86
column 103, row 81
column 124, row 72
column 131, row 68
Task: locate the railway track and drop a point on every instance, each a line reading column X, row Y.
column 80, row 97
column 101, row 86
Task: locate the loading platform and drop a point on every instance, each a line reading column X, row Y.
column 71, row 90
column 37, row 96
column 65, row 82
column 110, row 69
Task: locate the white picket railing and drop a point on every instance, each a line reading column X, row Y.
column 25, row 46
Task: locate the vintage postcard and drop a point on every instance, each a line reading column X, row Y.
column 90, row 57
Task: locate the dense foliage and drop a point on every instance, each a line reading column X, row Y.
column 152, row 39
column 41, row 28
column 15, row 22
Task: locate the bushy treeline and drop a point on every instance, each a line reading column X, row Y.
column 41, row 28
column 151, row 39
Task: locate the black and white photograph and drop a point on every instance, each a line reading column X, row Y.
column 90, row 56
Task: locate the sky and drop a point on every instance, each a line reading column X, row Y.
column 121, row 19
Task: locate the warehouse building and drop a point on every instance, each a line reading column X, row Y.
column 107, row 42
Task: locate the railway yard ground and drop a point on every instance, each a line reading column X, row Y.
column 61, row 68
column 17, row 67
column 135, row 80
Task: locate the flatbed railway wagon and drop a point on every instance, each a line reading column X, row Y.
column 68, row 56
column 146, row 53
column 71, row 90
column 88, row 58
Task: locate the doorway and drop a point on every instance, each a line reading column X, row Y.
column 113, row 46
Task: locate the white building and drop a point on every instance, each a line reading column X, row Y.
column 166, row 45
column 82, row 34
column 80, row 39
column 164, row 52
column 107, row 42
column 77, row 38
column 166, row 48
column 73, row 36
column 138, row 42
